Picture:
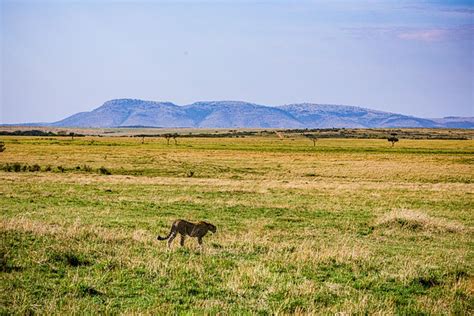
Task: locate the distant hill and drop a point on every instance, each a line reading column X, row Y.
column 236, row 114
column 327, row 116
column 455, row 122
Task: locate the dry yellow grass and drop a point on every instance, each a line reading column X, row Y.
column 416, row 220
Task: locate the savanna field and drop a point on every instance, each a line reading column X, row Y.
column 347, row 225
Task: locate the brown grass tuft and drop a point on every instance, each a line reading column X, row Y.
column 418, row 221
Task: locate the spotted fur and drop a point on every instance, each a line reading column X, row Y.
column 185, row 228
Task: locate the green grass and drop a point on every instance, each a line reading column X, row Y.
column 349, row 225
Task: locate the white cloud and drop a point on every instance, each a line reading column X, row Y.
column 465, row 32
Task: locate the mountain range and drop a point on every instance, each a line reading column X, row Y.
column 237, row 114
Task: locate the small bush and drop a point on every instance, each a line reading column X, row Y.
column 190, row 173
column 34, row 168
column 2, row 147
column 16, row 167
column 87, row 168
column 61, row 169
column 7, row 167
column 103, row 170
column 48, row 168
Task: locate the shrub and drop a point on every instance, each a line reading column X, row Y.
column 16, row 167
column 87, row 168
column 35, row 168
column 2, row 147
column 103, row 170
column 61, row 169
column 7, row 167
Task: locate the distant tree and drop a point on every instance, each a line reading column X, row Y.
column 393, row 138
column 312, row 137
column 173, row 136
column 2, row 147
column 72, row 135
column 167, row 137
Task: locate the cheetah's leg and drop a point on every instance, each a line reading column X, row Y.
column 170, row 240
column 200, row 243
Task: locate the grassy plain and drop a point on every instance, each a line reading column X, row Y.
column 349, row 225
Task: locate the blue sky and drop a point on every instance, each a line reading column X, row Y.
column 410, row 57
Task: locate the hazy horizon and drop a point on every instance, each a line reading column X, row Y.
column 63, row 57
